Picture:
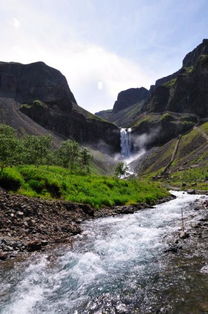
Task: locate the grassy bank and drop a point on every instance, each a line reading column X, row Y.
column 196, row 178
column 98, row 191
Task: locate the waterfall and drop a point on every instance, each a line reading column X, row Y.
column 125, row 135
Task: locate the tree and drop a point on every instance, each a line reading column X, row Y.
column 85, row 159
column 68, row 155
column 37, row 149
column 9, row 147
column 120, row 169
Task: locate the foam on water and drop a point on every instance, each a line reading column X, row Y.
column 108, row 267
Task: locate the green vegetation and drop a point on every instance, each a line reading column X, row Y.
column 120, row 169
column 9, row 147
column 38, row 150
column 25, row 106
column 39, row 103
column 203, row 58
column 36, row 103
column 98, row 191
column 170, row 83
column 32, row 167
column 196, row 178
column 146, row 118
column 189, row 69
column 166, row 117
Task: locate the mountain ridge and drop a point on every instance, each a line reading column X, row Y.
column 42, row 93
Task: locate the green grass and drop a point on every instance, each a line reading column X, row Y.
column 193, row 178
column 98, row 191
column 204, row 127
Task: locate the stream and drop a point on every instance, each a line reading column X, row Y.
column 117, row 265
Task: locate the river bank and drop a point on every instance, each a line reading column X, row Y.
column 138, row 263
column 32, row 224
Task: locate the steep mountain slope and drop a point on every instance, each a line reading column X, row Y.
column 159, row 128
column 184, row 158
column 172, row 106
column 178, row 101
column 187, row 89
column 41, row 93
column 127, row 106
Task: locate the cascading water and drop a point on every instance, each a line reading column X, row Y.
column 117, row 265
column 126, row 145
column 125, row 136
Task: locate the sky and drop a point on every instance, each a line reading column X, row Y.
column 103, row 46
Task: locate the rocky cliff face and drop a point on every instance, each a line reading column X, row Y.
column 29, row 82
column 172, row 106
column 185, row 91
column 192, row 57
column 127, row 106
column 42, row 93
column 130, row 97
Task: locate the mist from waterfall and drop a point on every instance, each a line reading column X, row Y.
column 127, row 155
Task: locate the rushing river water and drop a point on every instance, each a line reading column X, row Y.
column 117, row 265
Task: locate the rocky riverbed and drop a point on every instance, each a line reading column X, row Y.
column 152, row 261
column 33, row 224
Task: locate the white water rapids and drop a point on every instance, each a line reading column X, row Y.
column 117, row 265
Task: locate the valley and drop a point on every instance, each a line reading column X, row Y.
column 104, row 213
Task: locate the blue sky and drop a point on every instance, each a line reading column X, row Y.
column 103, row 47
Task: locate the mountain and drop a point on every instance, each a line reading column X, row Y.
column 128, row 105
column 182, row 161
column 178, row 101
column 185, row 91
column 36, row 99
column 174, row 124
column 171, row 107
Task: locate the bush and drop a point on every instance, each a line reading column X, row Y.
column 11, row 180
column 54, row 189
column 37, row 186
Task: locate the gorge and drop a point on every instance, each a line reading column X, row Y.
column 75, row 237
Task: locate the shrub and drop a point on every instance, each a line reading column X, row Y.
column 37, row 186
column 11, row 180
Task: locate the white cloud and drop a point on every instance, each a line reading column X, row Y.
column 94, row 74
column 99, row 85
column 15, row 22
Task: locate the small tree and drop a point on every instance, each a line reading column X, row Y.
column 120, row 169
column 37, row 149
column 68, row 155
column 85, row 159
column 9, row 147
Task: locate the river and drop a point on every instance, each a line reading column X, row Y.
column 117, row 265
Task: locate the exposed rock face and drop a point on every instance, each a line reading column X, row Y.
column 33, row 81
column 159, row 99
column 192, row 153
column 185, row 91
column 42, row 93
column 130, row 97
column 192, row 57
column 128, row 105
column 160, row 128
